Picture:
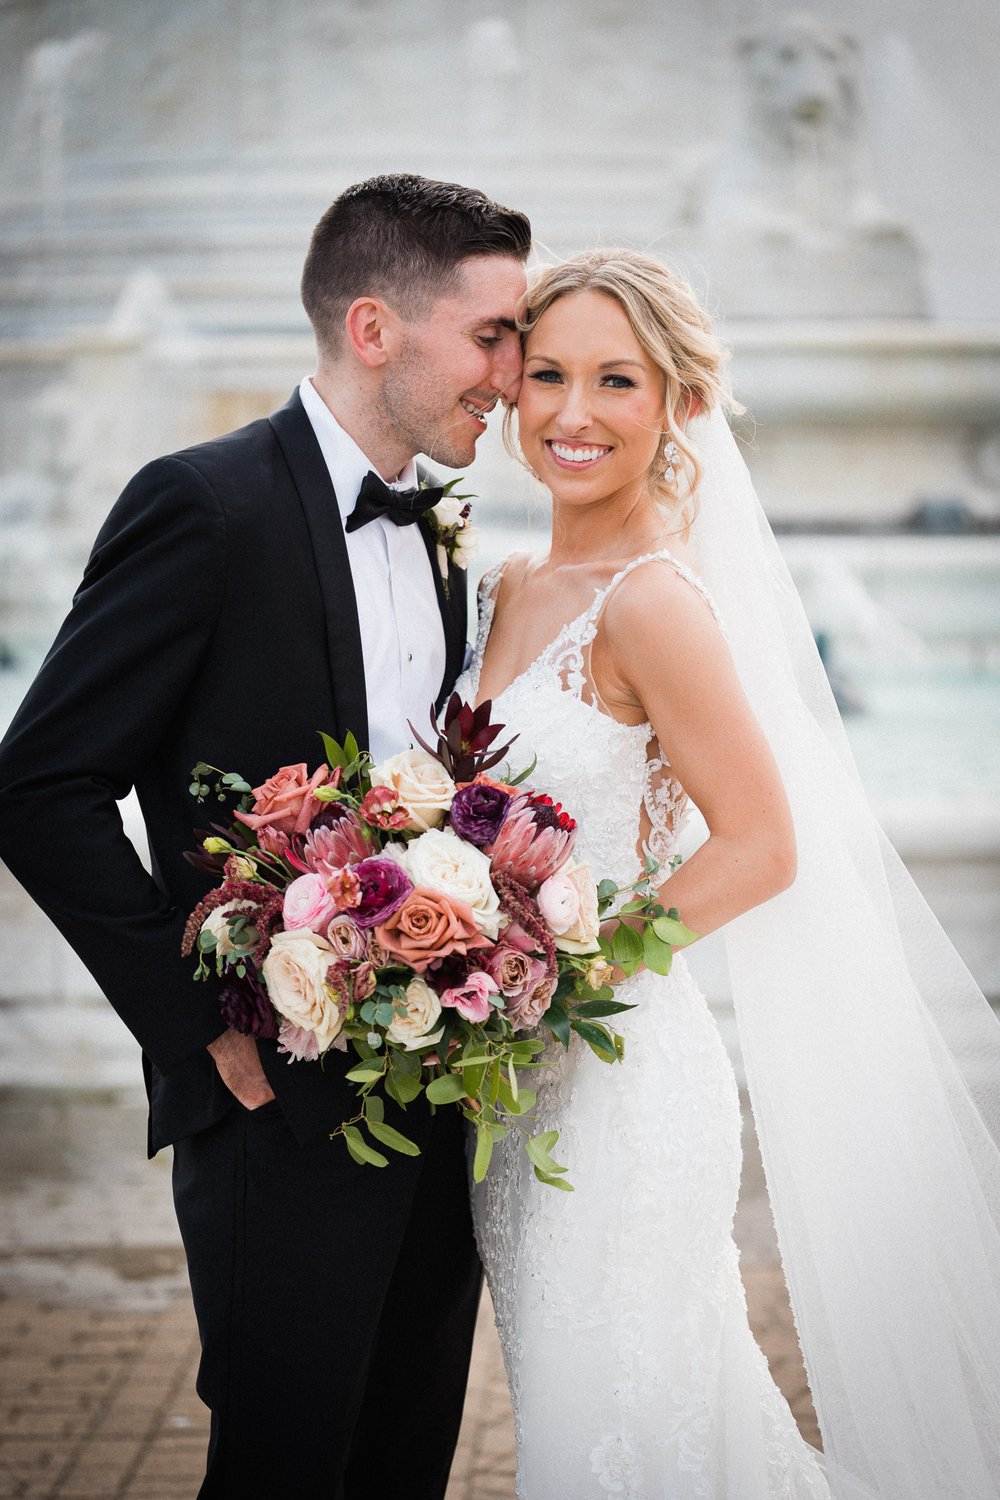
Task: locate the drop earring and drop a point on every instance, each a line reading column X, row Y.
column 671, row 454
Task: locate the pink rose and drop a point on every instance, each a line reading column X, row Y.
column 285, row 800
column 308, row 903
column 472, row 998
column 516, row 973
column 527, row 1010
column 346, row 938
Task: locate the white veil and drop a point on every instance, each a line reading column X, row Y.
column 873, row 1065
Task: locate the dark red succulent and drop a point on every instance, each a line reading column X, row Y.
column 465, row 738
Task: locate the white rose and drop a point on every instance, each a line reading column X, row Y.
column 568, row 904
column 466, row 546
column 444, row 862
column 421, row 783
column 295, row 974
column 448, row 512
column 217, row 923
column 422, row 1009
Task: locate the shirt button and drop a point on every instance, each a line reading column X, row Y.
column 409, row 656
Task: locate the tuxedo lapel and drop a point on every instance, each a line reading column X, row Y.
column 314, row 487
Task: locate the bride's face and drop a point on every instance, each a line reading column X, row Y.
column 591, row 408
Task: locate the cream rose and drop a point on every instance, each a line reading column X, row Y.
column 295, row 974
column 423, row 1008
column 217, row 923
column 421, row 783
column 442, row 861
column 466, row 546
column 568, row 904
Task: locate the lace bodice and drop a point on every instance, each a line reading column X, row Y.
column 613, row 777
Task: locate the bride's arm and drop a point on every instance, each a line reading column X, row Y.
column 663, row 651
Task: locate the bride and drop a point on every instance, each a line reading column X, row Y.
column 655, row 656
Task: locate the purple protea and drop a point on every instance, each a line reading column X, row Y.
column 477, row 812
column 535, row 839
column 385, row 885
column 245, row 1006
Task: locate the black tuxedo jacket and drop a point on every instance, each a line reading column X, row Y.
column 216, row 621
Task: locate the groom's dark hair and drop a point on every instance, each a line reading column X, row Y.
column 401, row 237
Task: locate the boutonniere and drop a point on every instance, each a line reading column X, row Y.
column 456, row 537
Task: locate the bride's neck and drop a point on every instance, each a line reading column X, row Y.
column 605, row 529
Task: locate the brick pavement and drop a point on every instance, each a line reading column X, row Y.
column 98, row 1404
column 98, row 1349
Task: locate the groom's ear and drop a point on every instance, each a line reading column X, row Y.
column 372, row 330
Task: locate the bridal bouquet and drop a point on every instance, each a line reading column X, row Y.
column 426, row 915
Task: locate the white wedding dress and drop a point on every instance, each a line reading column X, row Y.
column 621, row 1312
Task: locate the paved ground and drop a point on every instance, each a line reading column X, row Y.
column 98, row 1344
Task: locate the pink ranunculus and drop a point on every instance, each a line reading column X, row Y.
column 568, row 904
column 472, row 998
column 516, row 972
column 286, row 800
column 308, row 903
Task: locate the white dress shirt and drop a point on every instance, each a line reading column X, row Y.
column 402, row 636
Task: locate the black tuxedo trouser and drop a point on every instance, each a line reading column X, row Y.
column 336, row 1305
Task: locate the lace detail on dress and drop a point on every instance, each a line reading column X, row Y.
column 621, row 1313
column 566, row 659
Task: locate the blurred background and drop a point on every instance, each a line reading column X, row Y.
column 827, row 180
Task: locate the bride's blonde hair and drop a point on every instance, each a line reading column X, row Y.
column 675, row 332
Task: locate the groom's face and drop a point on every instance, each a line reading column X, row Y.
column 454, row 364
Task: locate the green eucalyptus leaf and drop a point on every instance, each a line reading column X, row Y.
column 551, row 1181
column 670, row 930
column 374, row 1108
column 484, row 1152
column 447, row 1089
column 392, row 1138
column 364, row 1073
column 360, row 1149
column 626, row 945
column 656, row 954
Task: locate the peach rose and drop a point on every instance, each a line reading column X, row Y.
column 421, row 785
column 427, row 926
column 286, row 801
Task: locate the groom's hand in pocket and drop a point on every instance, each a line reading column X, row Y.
column 240, row 1069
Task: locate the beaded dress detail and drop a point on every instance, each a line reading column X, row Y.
column 621, row 1312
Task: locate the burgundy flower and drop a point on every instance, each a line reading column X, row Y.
column 385, row 885
column 478, row 811
column 245, row 1006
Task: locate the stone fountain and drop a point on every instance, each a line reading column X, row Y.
column 162, row 167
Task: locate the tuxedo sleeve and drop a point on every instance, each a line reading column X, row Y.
column 91, row 722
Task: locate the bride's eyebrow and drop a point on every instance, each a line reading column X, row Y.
column 608, row 364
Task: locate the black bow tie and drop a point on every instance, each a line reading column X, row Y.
column 403, row 507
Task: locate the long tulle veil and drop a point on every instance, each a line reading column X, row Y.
column 873, row 1065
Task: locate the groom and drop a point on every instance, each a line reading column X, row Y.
column 242, row 595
